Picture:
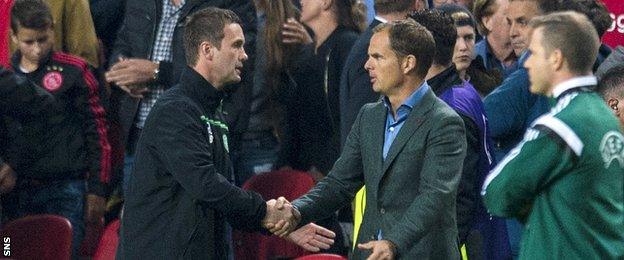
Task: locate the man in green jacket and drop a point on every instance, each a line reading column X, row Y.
column 565, row 179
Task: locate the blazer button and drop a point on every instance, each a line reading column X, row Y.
column 382, row 211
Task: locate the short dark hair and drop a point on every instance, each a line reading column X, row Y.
column 442, row 27
column 392, row 6
column 573, row 34
column 612, row 83
column 408, row 37
column 461, row 16
column 31, row 14
column 595, row 10
column 206, row 25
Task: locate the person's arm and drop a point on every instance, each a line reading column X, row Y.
column 439, row 177
column 180, row 141
column 507, row 107
column 95, row 130
column 510, row 188
column 80, row 38
column 342, row 182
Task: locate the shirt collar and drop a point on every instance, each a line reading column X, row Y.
column 379, row 18
column 413, row 99
column 201, row 90
column 574, row 83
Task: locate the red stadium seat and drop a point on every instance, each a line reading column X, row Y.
column 107, row 248
column 287, row 183
column 38, row 237
column 322, row 257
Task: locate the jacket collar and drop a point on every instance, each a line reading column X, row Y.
column 206, row 95
column 17, row 57
column 444, row 80
column 573, row 83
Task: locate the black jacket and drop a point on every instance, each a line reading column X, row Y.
column 179, row 196
column 313, row 118
column 32, row 106
column 136, row 39
column 355, row 86
column 77, row 145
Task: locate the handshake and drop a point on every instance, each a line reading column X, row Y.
column 282, row 219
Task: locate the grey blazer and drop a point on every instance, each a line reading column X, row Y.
column 410, row 195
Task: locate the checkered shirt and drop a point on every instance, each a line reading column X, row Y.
column 161, row 52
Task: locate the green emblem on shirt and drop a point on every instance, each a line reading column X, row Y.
column 612, row 148
column 218, row 124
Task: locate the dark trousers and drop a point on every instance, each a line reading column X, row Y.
column 62, row 197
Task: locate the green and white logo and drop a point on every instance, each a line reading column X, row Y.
column 612, row 148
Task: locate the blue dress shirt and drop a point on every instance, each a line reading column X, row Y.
column 394, row 126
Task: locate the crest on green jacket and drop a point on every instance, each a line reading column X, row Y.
column 612, row 148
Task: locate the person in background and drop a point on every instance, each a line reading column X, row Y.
column 564, row 180
column 444, row 80
column 611, row 88
column 495, row 48
column 74, row 32
column 55, row 183
column 486, row 236
column 469, row 68
column 314, row 116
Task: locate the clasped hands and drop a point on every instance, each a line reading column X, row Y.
column 282, row 219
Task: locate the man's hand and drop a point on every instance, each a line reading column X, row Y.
column 129, row 72
column 281, row 218
column 382, row 249
column 312, row 237
column 7, row 179
column 294, row 32
column 96, row 206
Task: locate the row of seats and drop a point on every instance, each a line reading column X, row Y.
column 45, row 237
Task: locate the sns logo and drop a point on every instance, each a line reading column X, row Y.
column 612, row 148
column 7, row 246
column 618, row 23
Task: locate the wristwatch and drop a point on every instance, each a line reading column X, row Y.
column 156, row 71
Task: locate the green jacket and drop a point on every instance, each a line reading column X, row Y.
column 565, row 180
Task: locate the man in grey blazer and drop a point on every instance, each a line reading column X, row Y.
column 407, row 149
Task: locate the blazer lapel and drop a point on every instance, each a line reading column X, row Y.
column 413, row 122
column 377, row 130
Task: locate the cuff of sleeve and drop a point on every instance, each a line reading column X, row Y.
column 398, row 244
column 165, row 73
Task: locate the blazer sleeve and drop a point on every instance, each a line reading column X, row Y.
column 441, row 171
column 340, row 185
